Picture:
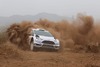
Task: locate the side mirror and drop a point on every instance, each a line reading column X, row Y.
column 37, row 35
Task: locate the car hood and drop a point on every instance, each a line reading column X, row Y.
column 47, row 38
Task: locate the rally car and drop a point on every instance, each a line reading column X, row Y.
column 41, row 38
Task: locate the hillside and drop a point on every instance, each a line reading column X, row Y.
column 19, row 18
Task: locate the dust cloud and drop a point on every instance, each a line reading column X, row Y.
column 81, row 32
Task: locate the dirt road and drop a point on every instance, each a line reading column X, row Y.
column 53, row 59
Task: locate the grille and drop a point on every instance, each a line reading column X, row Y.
column 48, row 42
column 47, row 46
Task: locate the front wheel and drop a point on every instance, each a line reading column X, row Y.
column 31, row 46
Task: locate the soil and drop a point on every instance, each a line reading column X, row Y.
column 65, row 58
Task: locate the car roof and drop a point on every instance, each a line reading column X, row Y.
column 39, row 29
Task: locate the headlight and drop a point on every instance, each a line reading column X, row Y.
column 38, row 39
column 57, row 42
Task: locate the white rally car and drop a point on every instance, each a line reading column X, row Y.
column 41, row 38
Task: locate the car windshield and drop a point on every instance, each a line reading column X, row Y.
column 43, row 33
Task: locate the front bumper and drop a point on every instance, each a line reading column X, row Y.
column 51, row 46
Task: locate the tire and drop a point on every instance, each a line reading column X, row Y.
column 31, row 46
